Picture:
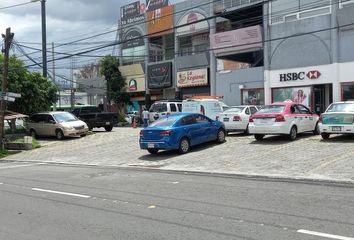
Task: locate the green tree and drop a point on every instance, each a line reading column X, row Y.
column 37, row 92
column 116, row 83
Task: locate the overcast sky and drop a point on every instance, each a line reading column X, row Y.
column 67, row 20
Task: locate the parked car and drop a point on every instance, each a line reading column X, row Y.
column 284, row 118
column 181, row 131
column 209, row 107
column 58, row 124
column 236, row 118
column 161, row 108
column 95, row 118
column 337, row 119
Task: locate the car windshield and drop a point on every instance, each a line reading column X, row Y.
column 64, row 117
column 158, row 107
column 234, row 109
column 164, row 122
column 272, row 109
column 341, row 107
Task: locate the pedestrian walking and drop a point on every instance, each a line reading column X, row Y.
column 145, row 117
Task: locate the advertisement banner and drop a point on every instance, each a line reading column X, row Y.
column 160, row 75
column 152, row 5
column 160, row 21
column 130, row 10
column 134, row 77
column 133, row 39
column 297, row 94
column 236, row 40
column 192, row 27
column 191, row 78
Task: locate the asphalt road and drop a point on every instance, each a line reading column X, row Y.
column 47, row 201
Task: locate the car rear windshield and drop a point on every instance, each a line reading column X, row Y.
column 272, row 109
column 234, row 109
column 64, row 117
column 158, row 107
column 341, row 107
column 164, row 122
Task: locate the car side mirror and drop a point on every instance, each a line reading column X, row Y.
column 52, row 121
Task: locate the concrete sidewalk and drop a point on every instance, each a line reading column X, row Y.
column 306, row 158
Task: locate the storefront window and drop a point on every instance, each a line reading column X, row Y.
column 298, row 94
column 253, row 97
column 348, row 92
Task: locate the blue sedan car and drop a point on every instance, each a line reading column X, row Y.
column 180, row 132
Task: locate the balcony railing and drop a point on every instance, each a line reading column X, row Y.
column 220, row 5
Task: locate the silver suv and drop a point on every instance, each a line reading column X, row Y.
column 58, row 124
column 161, row 108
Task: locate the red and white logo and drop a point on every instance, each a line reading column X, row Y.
column 313, row 74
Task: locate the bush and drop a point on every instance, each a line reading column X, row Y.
column 121, row 118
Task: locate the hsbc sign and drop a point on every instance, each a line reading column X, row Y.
column 313, row 75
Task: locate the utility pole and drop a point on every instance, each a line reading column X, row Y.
column 7, row 45
column 53, row 65
column 44, row 39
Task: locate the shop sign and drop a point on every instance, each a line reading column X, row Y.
column 190, row 78
column 236, row 40
column 192, row 23
column 132, row 20
column 152, row 5
column 130, row 10
column 133, row 39
column 160, row 75
column 160, row 21
column 313, row 74
column 133, row 85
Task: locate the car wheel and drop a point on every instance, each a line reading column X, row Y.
column 184, row 146
column 108, row 128
column 325, row 136
column 293, row 133
column 59, row 134
column 247, row 131
column 33, row 133
column 152, row 151
column 258, row 137
column 221, row 136
column 316, row 131
column 83, row 135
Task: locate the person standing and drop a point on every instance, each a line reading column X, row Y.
column 145, row 117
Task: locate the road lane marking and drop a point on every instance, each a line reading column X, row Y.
column 1, row 183
column 63, row 193
column 325, row 235
column 23, row 165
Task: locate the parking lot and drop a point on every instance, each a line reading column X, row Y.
column 307, row 157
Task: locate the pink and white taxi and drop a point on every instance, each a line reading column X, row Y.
column 283, row 118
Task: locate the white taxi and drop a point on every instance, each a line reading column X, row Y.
column 284, row 118
column 337, row 119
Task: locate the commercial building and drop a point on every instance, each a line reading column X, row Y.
column 249, row 51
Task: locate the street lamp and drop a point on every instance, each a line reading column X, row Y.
column 44, row 37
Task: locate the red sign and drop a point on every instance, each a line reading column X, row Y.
column 313, row 74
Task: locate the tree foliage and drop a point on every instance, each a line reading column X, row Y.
column 37, row 93
column 115, row 81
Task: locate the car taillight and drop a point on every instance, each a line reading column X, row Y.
column 165, row 133
column 250, row 119
column 141, row 133
column 279, row 118
column 237, row 118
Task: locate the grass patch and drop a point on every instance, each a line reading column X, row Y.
column 5, row 153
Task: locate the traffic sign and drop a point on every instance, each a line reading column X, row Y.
column 9, row 99
column 14, row 95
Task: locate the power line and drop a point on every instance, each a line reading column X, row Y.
column 16, row 5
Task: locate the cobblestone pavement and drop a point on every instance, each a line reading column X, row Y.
column 308, row 157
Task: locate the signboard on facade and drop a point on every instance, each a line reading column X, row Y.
column 152, row 5
column 160, row 21
column 134, row 77
column 193, row 24
column 131, row 13
column 236, row 40
column 160, row 75
column 133, row 39
column 191, row 78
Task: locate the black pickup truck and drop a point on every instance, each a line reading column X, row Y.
column 95, row 118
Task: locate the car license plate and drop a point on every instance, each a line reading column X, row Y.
column 226, row 119
column 108, row 123
column 151, row 145
column 337, row 129
column 264, row 120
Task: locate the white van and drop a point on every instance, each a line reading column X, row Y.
column 208, row 107
column 161, row 108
